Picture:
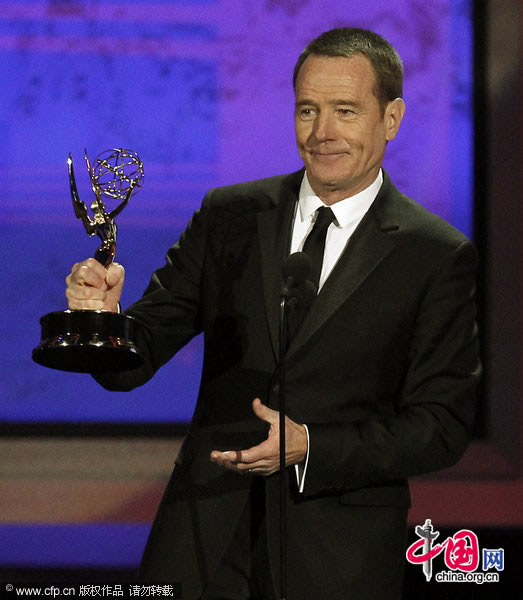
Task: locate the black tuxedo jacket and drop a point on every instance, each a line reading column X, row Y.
column 382, row 370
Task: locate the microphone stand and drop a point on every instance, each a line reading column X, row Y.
column 283, row 487
column 297, row 291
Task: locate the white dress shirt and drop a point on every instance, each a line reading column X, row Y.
column 348, row 212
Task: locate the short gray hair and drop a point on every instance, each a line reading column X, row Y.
column 349, row 42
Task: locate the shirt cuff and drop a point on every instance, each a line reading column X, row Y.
column 301, row 470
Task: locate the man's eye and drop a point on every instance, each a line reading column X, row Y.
column 345, row 112
column 306, row 113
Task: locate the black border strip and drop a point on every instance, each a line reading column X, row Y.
column 94, row 430
column 481, row 154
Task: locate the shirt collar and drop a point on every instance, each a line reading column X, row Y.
column 347, row 210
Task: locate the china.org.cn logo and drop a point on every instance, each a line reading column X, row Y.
column 461, row 555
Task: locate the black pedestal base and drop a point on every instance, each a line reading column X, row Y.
column 87, row 341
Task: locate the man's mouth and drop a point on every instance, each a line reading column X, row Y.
column 326, row 155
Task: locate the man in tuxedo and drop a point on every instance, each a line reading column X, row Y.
column 380, row 372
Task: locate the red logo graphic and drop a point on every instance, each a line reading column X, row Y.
column 461, row 550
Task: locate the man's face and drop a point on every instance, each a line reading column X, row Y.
column 341, row 130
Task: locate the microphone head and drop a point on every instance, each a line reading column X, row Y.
column 309, row 293
column 298, row 266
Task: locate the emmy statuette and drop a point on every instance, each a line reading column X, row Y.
column 86, row 341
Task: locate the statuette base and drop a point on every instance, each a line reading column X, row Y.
column 87, row 341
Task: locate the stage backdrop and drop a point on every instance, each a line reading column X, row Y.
column 201, row 89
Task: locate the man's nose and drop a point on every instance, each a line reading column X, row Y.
column 325, row 127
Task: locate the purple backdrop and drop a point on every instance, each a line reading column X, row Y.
column 202, row 91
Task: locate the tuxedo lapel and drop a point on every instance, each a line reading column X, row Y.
column 367, row 247
column 274, row 235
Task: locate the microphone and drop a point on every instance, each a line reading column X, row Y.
column 298, row 289
column 298, row 266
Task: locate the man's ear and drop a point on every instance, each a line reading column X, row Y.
column 393, row 115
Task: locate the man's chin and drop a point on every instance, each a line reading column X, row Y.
column 325, row 177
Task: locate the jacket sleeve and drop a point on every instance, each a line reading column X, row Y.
column 435, row 413
column 168, row 314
